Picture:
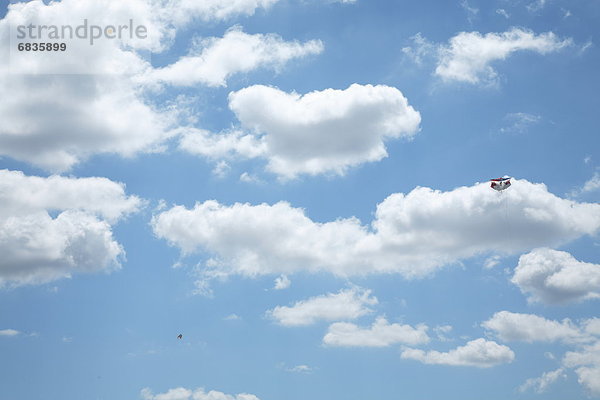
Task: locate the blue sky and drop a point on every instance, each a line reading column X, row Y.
column 300, row 188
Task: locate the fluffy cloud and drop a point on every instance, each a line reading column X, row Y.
column 509, row 326
column 380, row 334
column 64, row 109
column 554, row 277
column 219, row 58
column 586, row 362
column 198, row 394
column 224, row 145
column 320, row 132
column 468, row 56
column 412, row 234
column 37, row 247
column 347, row 304
column 324, row 131
column 476, row 353
column 585, row 337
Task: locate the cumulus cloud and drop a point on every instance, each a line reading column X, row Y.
column 38, row 247
column 556, row 277
column 181, row 393
column 468, row 56
column 324, row 131
column 509, row 326
column 412, row 234
column 346, row 304
column 380, row 334
column 583, row 336
column 62, row 110
column 476, row 353
column 9, row 332
column 213, row 60
column 586, row 362
column 320, row 132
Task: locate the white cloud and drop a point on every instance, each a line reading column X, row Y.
column 492, row 261
column 539, row 385
column 37, row 247
column 468, row 56
column 181, row 12
column 555, row 277
column 587, row 364
column 502, row 12
column 9, row 332
column 181, row 393
column 21, row 194
column 593, row 184
column 346, row 304
column 590, row 186
column 323, row 131
column 302, row 369
column 65, row 109
column 472, row 12
column 519, row 123
column 441, row 332
column 585, row 337
column 213, row 60
column 282, row 282
column 420, row 50
column 222, row 145
column 221, row 169
column 380, row 334
column 248, row 178
column 592, row 326
column 412, row 234
column 62, row 109
column 509, row 326
column 536, row 5
column 476, row 353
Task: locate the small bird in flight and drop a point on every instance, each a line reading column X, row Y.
column 180, row 336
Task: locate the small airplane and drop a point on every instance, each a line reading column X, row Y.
column 500, row 183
